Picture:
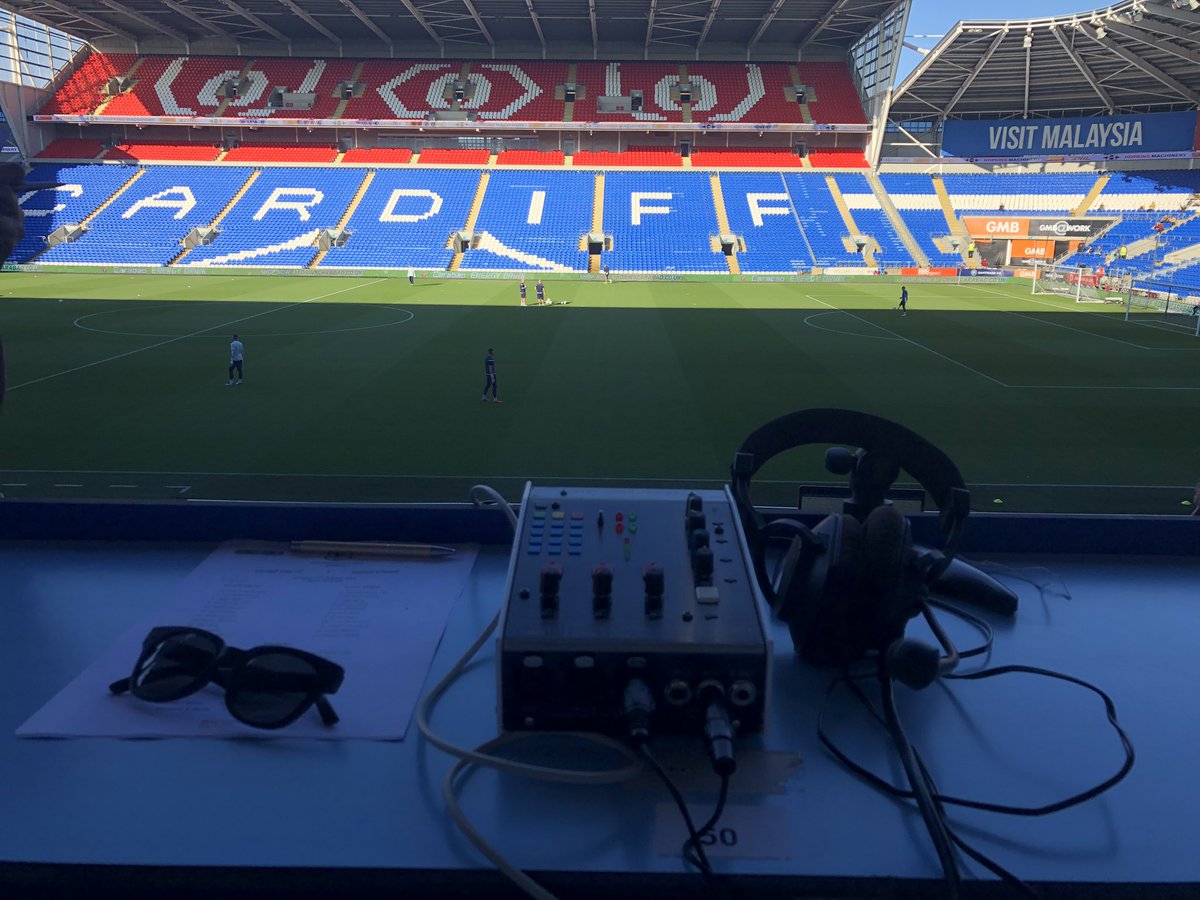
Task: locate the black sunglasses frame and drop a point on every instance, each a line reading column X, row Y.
column 227, row 667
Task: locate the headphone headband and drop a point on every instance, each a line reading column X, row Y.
column 932, row 468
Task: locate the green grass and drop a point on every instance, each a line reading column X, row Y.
column 368, row 389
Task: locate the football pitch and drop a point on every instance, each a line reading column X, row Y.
column 368, row 389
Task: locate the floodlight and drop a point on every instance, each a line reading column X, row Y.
column 1101, row 32
column 1027, row 42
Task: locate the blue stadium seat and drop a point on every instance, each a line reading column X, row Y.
column 759, row 208
column 83, row 188
column 668, row 231
column 533, row 220
column 146, row 224
column 276, row 222
column 406, row 219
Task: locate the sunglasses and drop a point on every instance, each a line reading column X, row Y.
column 265, row 687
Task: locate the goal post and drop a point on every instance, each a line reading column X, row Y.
column 1080, row 283
column 1164, row 305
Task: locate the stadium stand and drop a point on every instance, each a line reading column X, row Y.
column 530, row 158
column 278, row 220
column 918, row 205
column 760, row 211
column 1154, row 191
column 1058, row 193
column 533, row 220
column 745, row 92
column 820, row 219
column 745, row 158
column 141, row 99
column 275, row 151
column 631, row 158
column 660, row 222
column 443, row 156
column 320, row 77
column 181, row 152
column 82, row 189
column 837, row 158
column 518, row 91
column 406, row 218
column 383, row 155
column 830, row 93
column 72, row 148
column 146, row 224
column 84, row 90
column 871, row 219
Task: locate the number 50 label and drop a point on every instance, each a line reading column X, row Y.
column 744, row 832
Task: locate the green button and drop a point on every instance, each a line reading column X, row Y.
column 633, row 527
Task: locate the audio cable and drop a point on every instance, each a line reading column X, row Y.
column 718, row 733
column 935, row 798
column 484, row 755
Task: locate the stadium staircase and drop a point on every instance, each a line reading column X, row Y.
column 957, row 228
column 233, row 201
column 869, row 248
column 805, row 112
column 597, row 217
column 893, row 214
column 356, row 75
column 224, row 104
column 472, row 218
column 115, row 194
column 569, row 105
column 1082, row 208
column 685, row 107
column 731, row 259
column 345, row 219
column 99, row 110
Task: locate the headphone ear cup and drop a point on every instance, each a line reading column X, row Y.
column 893, row 580
column 886, row 547
column 825, row 625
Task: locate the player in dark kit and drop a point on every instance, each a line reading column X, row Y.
column 489, row 374
column 522, row 291
column 541, row 291
column 902, row 306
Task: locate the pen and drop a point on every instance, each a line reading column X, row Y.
column 372, row 548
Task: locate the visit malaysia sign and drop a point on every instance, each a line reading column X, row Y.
column 1100, row 135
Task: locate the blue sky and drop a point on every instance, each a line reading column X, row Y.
column 939, row 16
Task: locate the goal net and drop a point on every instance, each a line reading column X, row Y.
column 1081, row 284
column 1164, row 305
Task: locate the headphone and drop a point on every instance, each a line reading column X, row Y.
column 847, row 587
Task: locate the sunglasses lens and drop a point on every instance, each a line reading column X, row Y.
column 174, row 667
column 270, row 689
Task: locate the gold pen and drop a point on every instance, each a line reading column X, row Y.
column 371, row 548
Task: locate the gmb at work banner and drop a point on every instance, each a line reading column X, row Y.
column 1153, row 133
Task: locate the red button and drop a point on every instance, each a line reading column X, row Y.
column 619, row 517
column 620, row 527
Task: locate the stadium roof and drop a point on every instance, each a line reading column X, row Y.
column 1139, row 56
column 560, row 29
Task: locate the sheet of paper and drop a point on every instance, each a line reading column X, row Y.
column 380, row 619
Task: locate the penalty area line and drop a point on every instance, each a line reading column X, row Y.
column 191, row 335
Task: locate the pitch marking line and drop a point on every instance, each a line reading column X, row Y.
column 544, row 479
column 1061, row 308
column 1032, row 387
column 901, row 337
column 191, row 335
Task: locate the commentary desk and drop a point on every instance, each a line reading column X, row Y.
column 296, row 818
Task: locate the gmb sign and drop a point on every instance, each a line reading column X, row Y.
column 1022, row 227
column 1065, row 229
